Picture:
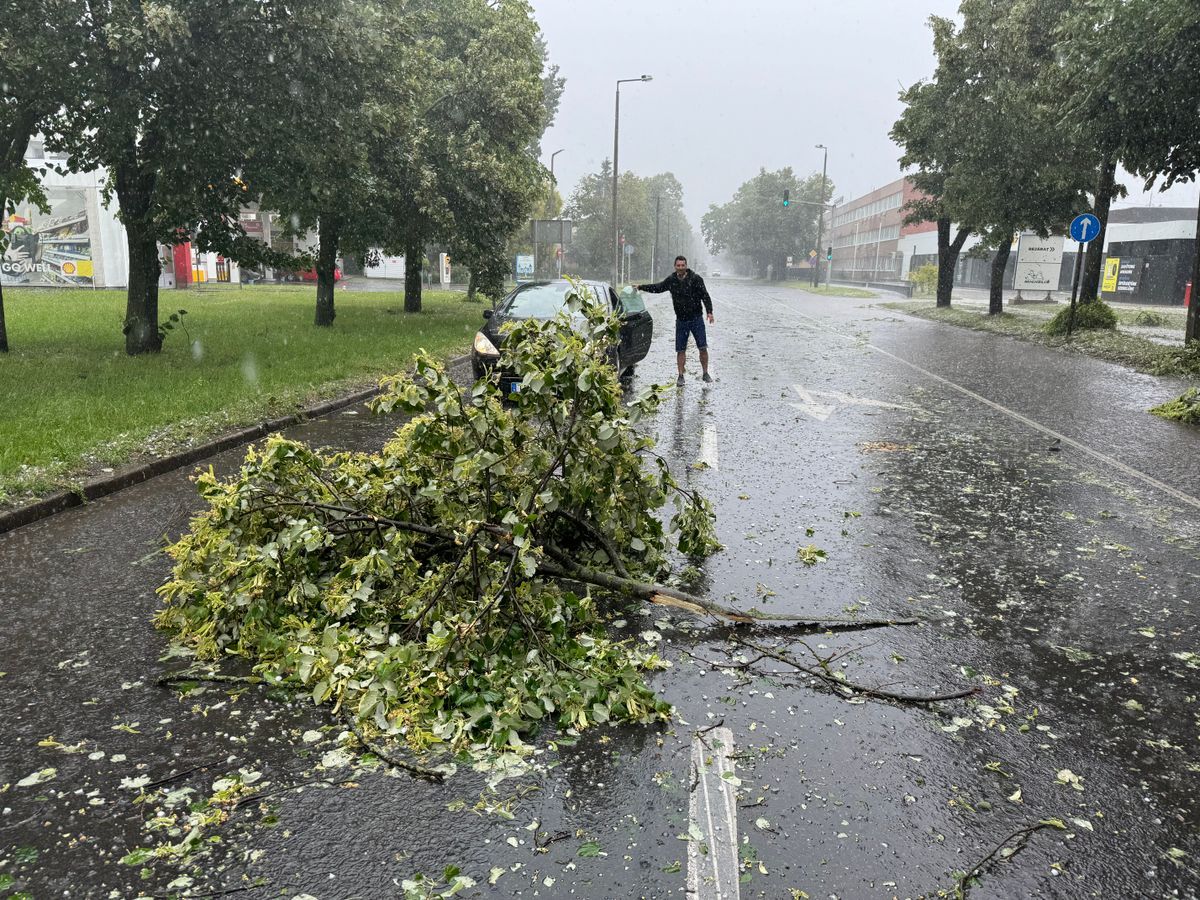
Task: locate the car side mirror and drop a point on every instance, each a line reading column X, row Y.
column 487, row 313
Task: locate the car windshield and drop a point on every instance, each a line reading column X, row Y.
column 542, row 301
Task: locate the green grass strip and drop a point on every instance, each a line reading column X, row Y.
column 74, row 402
column 832, row 290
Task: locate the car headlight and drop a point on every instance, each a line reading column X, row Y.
column 483, row 346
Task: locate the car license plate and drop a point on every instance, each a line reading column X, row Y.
column 515, row 387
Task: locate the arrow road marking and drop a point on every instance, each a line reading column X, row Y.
column 1100, row 457
column 811, row 406
column 712, row 810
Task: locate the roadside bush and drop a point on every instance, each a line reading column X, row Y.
column 924, row 280
column 1150, row 319
column 1178, row 361
column 1094, row 316
column 1184, row 408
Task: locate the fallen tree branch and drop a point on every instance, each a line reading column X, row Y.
column 184, row 677
column 660, row 594
column 961, row 888
column 412, row 768
column 664, row 595
column 878, row 693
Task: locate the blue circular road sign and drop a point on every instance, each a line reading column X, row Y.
column 1084, row 228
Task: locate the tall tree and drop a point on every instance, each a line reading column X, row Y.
column 590, row 208
column 337, row 82
column 1146, row 63
column 756, row 226
column 172, row 160
column 38, row 41
column 465, row 171
column 931, row 131
column 1014, row 170
column 1085, row 108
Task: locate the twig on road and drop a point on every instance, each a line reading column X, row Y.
column 878, row 693
column 420, row 771
column 962, row 887
column 264, row 795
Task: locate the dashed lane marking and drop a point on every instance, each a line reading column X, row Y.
column 709, row 454
column 712, row 819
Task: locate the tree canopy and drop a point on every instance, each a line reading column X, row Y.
column 590, row 207
column 758, row 229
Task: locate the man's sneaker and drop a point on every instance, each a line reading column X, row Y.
column 707, row 377
column 679, row 381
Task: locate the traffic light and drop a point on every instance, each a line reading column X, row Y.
column 786, row 200
column 829, row 253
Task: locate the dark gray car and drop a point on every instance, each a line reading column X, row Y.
column 544, row 300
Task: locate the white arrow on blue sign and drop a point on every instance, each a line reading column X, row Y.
column 1084, row 228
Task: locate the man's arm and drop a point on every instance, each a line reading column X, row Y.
column 704, row 297
column 657, row 288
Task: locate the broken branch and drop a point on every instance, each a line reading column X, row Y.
column 878, row 693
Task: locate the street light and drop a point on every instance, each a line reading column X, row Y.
column 553, row 185
column 616, row 175
column 821, row 217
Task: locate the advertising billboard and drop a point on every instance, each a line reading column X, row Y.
column 1038, row 262
column 53, row 248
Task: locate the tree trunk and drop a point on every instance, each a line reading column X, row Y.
column 141, row 304
column 948, row 251
column 471, row 287
column 1192, row 332
column 1089, row 288
column 3, row 328
column 414, row 262
column 135, row 192
column 999, row 264
column 326, row 265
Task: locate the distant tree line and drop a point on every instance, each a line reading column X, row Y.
column 1033, row 107
column 381, row 123
column 758, row 231
column 642, row 201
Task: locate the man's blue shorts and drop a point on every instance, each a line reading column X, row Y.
column 684, row 327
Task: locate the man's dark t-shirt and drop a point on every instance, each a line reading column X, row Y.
column 687, row 294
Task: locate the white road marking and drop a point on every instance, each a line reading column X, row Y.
column 708, row 448
column 1104, row 458
column 712, row 859
column 810, row 406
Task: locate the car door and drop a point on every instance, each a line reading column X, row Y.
column 637, row 326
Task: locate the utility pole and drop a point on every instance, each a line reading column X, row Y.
column 617, row 174
column 553, row 185
column 821, row 217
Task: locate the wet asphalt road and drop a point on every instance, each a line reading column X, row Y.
column 1062, row 583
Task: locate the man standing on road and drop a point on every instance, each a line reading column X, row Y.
column 688, row 293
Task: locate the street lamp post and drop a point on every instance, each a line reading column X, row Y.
column 617, row 174
column 654, row 250
column 821, row 217
column 553, row 185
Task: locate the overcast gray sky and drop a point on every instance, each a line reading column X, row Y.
column 739, row 85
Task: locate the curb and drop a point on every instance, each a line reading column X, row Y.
column 110, row 484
